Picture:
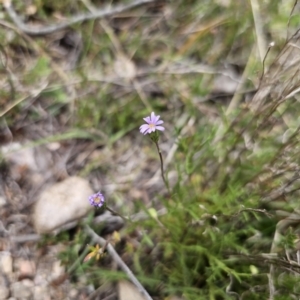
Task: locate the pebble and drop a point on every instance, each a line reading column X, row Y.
column 6, row 262
column 22, row 289
column 4, row 292
column 62, row 203
column 2, row 201
column 25, row 267
column 57, row 270
column 41, row 293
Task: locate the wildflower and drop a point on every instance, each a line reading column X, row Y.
column 153, row 124
column 115, row 237
column 96, row 252
column 97, row 200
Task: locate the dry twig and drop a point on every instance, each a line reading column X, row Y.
column 283, row 77
column 98, row 14
column 289, row 20
column 261, row 40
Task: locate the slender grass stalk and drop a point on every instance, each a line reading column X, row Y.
column 117, row 214
column 162, row 166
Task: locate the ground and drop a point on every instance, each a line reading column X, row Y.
column 222, row 75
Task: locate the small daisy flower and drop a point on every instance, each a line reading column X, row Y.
column 153, row 124
column 96, row 252
column 97, row 200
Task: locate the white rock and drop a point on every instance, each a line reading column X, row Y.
column 57, row 270
column 26, row 268
column 41, row 293
column 127, row 291
column 6, row 262
column 2, row 201
column 73, row 294
column 21, row 290
column 17, row 154
column 28, row 282
column 4, row 292
column 61, row 203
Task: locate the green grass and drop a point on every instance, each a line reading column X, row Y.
column 211, row 240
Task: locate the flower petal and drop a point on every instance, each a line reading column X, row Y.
column 144, row 128
column 152, row 117
column 155, row 118
column 159, row 122
column 147, row 131
column 147, row 119
column 160, row 128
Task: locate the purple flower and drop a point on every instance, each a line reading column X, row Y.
column 97, row 200
column 153, row 122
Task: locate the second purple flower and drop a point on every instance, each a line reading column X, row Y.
column 97, row 200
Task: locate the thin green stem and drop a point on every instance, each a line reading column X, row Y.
column 162, row 166
column 117, row 214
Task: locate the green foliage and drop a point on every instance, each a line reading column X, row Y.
column 40, row 69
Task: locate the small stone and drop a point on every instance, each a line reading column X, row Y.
column 19, row 155
column 6, row 262
column 57, row 270
column 26, row 268
column 73, row 294
column 41, row 293
column 28, row 282
column 22, row 290
column 62, row 203
column 4, row 290
column 40, row 278
column 127, row 291
column 31, row 10
column 2, row 201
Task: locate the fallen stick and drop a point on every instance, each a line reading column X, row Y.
column 43, row 30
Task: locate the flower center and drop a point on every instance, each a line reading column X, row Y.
column 151, row 125
column 97, row 200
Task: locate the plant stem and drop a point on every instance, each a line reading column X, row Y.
column 162, row 166
column 117, row 214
